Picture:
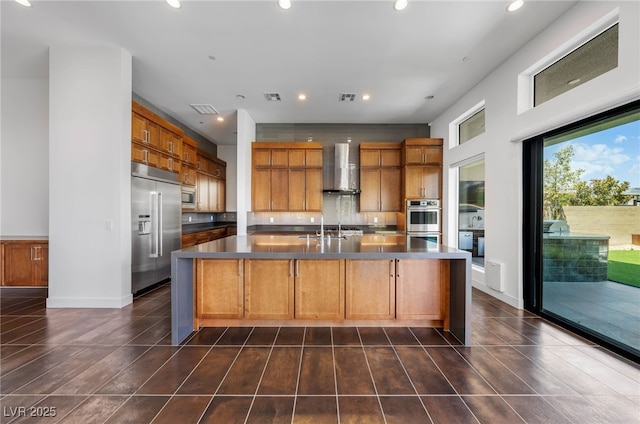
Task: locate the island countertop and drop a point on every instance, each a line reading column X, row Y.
column 367, row 246
column 294, row 247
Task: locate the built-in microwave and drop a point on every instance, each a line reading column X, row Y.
column 423, row 216
column 188, row 197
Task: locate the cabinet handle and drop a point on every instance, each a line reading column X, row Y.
column 146, row 136
column 146, row 156
column 391, row 270
column 32, row 250
column 398, row 268
column 291, row 268
column 170, row 164
column 240, row 267
column 171, row 147
column 297, row 268
column 187, row 156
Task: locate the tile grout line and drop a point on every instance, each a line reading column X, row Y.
column 264, row 369
column 295, row 397
column 373, row 381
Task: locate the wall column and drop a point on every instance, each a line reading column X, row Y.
column 89, row 177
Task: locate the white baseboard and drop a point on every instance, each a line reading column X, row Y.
column 83, row 302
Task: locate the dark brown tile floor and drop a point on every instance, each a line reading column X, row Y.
column 117, row 366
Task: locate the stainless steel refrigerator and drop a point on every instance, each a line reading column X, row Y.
column 155, row 224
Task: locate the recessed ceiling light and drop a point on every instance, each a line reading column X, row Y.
column 220, row 119
column 25, row 3
column 174, row 3
column 429, row 97
column 515, row 5
column 284, row 4
column 574, row 81
column 366, row 97
column 302, row 96
column 400, row 4
column 240, row 97
column 212, row 57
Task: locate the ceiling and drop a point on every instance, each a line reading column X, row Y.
column 208, row 52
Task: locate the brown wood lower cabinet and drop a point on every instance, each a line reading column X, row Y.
column 319, row 289
column 323, row 289
column 219, row 285
column 25, row 263
column 268, row 288
column 421, row 288
column 370, row 289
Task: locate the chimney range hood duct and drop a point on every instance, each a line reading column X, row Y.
column 344, row 181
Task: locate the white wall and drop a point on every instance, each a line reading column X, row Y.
column 505, row 128
column 229, row 154
column 24, row 195
column 246, row 135
column 89, row 177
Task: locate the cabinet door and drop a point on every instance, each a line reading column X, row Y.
column 313, row 191
column 142, row 154
column 261, row 190
column 413, row 155
column 313, row 158
column 26, row 264
column 369, row 158
column 297, row 190
column 202, row 192
column 138, row 128
column 280, row 157
column 261, row 157
column 268, row 289
column 154, row 134
column 170, row 143
column 188, row 173
column 189, row 154
column 213, row 194
column 390, row 189
column 420, row 289
column 168, row 163
column 280, row 189
column 431, row 181
column 319, row 289
column 219, row 288
column 432, row 154
column 297, row 158
column 413, row 183
column 222, row 195
column 390, row 157
column 370, row 289
column 370, row 186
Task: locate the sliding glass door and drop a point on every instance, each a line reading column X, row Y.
column 582, row 224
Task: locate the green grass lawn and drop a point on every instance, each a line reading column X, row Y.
column 624, row 267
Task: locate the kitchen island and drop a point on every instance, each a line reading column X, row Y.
column 276, row 280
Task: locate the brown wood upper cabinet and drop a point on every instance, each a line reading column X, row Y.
column 189, row 151
column 422, row 151
column 155, row 141
column 286, row 176
column 380, row 177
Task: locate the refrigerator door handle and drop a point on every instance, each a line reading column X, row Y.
column 160, row 225
column 154, row 225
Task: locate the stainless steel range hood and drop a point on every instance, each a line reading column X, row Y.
column 344, row 181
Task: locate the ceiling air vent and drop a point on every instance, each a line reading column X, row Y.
column 203, row 109
column 272, row 97
column 347, row 97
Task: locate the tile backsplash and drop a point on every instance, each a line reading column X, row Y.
column 204, row 217
column 341, row 209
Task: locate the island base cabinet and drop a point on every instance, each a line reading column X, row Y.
column 421, row 289
column 219, row 288
column 268, row 289
column 319, row 289
column 25, row 263
column 370, row 289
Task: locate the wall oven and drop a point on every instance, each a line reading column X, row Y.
column 423, row 216
column 188, row 197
